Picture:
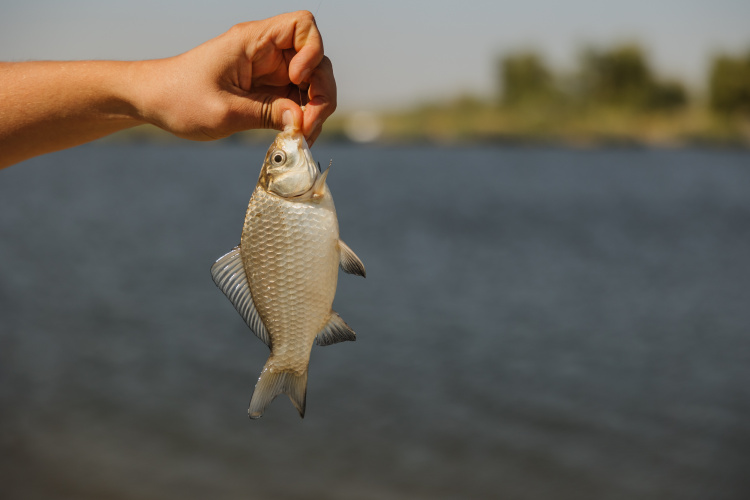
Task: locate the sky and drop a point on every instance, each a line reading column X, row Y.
column 386, row 53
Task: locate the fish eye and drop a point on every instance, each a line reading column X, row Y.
column 278, row 157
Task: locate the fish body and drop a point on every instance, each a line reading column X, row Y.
column 282, row 277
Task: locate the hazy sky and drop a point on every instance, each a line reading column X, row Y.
column 385, row 52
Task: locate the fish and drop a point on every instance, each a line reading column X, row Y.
column 282, row 276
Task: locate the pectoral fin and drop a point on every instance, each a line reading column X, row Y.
column 229, row 275
column 335, row 331
column 349, row 262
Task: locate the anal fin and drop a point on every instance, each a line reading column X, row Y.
column 335, row 331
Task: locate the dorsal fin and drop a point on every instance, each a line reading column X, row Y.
column 319, row 186
column 229, row 275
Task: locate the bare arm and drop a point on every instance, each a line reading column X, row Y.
column 46, row 106
column 243, row 79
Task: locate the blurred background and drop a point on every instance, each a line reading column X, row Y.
column 553, row 204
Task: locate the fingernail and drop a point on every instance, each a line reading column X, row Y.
column 305, row 74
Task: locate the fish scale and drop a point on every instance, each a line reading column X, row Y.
column 291, row 251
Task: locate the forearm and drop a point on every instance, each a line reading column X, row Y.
column 246, row 78
column 46, row 106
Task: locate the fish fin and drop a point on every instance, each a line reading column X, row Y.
column 335, row 331
column 349, row 262
column 319, row 186
column 272, row 383
column 229, row 275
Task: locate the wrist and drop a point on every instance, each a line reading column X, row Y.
column 133, row 91
column 154, row 93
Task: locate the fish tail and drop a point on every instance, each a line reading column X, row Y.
column 272, row 383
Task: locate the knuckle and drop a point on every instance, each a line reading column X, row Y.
column 331, row 106
column 237, row 29
column 305, row 15
column 326, row 61
column 241, row 31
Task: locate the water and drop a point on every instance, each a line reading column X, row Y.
column 535, row 324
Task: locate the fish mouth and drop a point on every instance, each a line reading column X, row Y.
column 297, row 180
column 317, row 174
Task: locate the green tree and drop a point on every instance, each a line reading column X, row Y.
column 667, row 96
column 618, row 77
column 622, row 77
column 524, row 78
column 729, row 84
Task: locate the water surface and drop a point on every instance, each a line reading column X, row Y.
column 536, row 323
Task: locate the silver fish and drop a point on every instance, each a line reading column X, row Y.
column 282, row 277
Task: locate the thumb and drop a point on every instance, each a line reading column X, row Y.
column 291, row 115
column 265, row 111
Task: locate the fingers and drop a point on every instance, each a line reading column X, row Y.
column 297, row 35
column 319, row 100
column 309, row 46
column 322, row 103
column 264, row 111
column 287, row 69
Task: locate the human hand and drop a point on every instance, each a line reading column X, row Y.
column 252, row 76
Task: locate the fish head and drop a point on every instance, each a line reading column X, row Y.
column 289, row 170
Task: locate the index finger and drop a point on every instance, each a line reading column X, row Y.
column 305, row 38
column 322, row 103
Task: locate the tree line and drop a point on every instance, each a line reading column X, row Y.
column 620, row 77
